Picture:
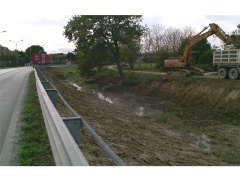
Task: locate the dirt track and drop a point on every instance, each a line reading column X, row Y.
column 137, row 140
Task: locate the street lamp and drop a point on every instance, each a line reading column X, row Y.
column 16, row 48
column 16, row 42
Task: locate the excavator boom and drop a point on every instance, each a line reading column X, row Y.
column 184, row 61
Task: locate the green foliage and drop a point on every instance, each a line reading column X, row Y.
column 97, row 37
column 165, row 117
column 6, row 55
column 131, row 79
column 59, row 58
column 206, row 57
column 71, row 56
column 170, row 119
column 86, row 67
column 11, row 58
column 35, row 150
column 202, row 46
column 235, row 37
column 161, row 55
column 130, row 52
column 202, row 52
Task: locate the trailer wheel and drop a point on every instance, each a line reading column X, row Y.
column 233, row 74
column 223, row 73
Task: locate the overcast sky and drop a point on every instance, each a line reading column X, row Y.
column 42, row 23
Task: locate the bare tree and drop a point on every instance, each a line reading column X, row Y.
column 158, row 38
column 152, row 41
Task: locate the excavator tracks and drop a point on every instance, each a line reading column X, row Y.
column 186, row 72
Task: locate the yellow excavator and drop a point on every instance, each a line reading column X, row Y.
column 183, row 63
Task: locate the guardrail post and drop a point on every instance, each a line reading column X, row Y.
column 42, row 78
column 52, row 94
column 74, row 125
column 39, row 73
column 45, row 84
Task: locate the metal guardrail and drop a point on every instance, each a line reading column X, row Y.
column 73, row 124
column 64, row 148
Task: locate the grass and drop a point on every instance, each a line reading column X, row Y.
column 169, row 118
column 133, row 78
column 143, row 67
column 35, row 150
column 166, row 117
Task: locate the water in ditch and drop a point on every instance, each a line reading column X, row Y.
column 198, row 141
column 139, row 110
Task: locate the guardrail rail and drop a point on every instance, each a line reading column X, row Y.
column 64, row 148
column 64, row 133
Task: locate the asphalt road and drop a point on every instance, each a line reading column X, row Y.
column 13, row 88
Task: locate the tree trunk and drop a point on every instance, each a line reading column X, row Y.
column 120, row 69
column 117, row 60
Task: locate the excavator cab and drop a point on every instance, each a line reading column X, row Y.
column 173, row 62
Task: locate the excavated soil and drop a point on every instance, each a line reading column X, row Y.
column 168, row 133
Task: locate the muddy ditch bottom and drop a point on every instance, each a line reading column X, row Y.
column 135, row 127
column 198, row 141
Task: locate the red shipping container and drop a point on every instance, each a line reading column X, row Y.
column 41, row 59
column 48, row 59
column 36, row 58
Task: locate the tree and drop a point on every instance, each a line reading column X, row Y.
column 206, row 58
column 103, row 35
column 202, row 46
column 70, row 56
column 203, row 52
column 34, row 49
column 160, row 43
column 235, row 37
column 59, row 58
column 130, row 52
column 162, row 54
column 22, row 57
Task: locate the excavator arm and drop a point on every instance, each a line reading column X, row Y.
column 188, row 47
column 183, row 63
column 214, row 29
